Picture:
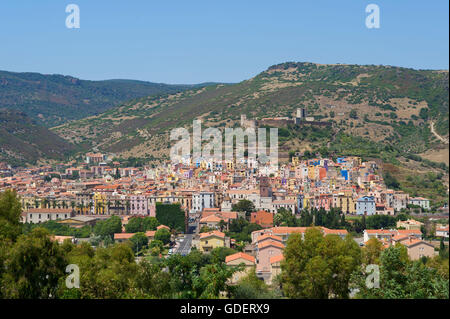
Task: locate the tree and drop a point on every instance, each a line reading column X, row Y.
column 372, row 251
column 171, row 215
column 318, row 266
column 10, row 210
column 152, row 281
column 380, row 221
column 244, row 205
column 139, row 224
column 284, row 218
column 219, row 254
column 134, row 225
column 107, row 228
column 251, row 287
column 104, row 274
column 163, row 235
column 138, row 242
column 401, row 278
column 212, row 280
column 150, row 223
column 33, row 267
column 443, row 251
column 353, row 114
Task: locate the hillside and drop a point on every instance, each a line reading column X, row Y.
column 22, row 140
column 391, row 106
column 55, row 99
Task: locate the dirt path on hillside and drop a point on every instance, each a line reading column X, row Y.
column 437, row 135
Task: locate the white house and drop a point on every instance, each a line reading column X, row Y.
column 41, row 215
column 365, row 205
column 420, row 201
column 442, row 232
column 202, row 200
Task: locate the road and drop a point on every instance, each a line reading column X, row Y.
column 185, row 245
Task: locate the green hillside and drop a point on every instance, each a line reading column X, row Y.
column 55, row 99
column 22, row 140
column 389, row 106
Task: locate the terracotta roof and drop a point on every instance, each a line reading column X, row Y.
column 212, row 233
column 211, row 218
column 150, row 233
column 270, row 243
column 288, row 230
column 123, row 235
column 240, row 255
column 409, row 231
column 413, row 242
column 328, row 231
column 276, row 259
column 162, row 226
column 273, row 237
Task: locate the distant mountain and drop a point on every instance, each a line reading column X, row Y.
column 22, row 140
column 55, row 99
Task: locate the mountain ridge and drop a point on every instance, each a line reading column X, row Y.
column 53, row 99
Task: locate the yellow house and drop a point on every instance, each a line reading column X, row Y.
column 30, row 202
column 295, row 161
column 307, row 202
column 211, row 240
column 100, row 204
column 311, row 172
column 347, row 203
column 239, row 259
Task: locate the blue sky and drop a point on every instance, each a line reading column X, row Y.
column 225, row 41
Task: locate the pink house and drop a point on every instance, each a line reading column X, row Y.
column 266, row 250
column 139, row 205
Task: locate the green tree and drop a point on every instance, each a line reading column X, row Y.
column 150, row 223
column 244, row 205
column 138, row 242
column 163, row 235
column 284, row 218
column 152, row 282
column 401, row 278
column 318, row 266
column 171, row 215
column 107, row 228
column 33, row 267
column 10, row 210
column 372, row 251
column 251, row 287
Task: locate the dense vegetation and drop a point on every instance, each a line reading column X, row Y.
column 55, row 99
column 22, row 140
column 314, row 267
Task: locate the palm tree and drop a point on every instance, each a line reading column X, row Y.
column 108, row 204
column 45, row 202
column 90, row 206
